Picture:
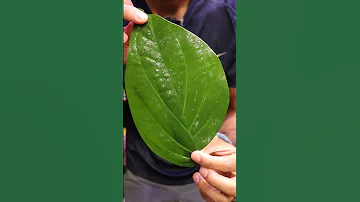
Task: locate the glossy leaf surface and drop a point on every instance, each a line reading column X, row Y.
column 176, row 88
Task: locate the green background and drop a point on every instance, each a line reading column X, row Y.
column 60, row 101
column 298, row 100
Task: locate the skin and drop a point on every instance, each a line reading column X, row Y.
column 229, row 125
column 133, row 15
column 216, row 178
column 168, row 8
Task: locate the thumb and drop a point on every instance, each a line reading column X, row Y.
column 223, row 163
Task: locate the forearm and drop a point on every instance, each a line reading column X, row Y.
column 228, row 127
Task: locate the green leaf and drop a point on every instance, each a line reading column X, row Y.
column 176, row 88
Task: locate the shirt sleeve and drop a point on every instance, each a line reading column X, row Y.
column 229, row 60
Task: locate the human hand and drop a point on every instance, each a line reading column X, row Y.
column 216, row 178
column 133, row 15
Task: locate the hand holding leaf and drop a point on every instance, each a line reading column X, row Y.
column 217, row 176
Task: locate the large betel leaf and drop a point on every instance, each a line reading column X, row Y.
column 176, row 89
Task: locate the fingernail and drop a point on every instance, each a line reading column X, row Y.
column 204, row 172
column 195, row 156
column 196, row 179
column 140, row 15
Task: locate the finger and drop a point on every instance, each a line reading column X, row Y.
column 197, row 179
column 222, row 163
column 133, row 14
column 129, row 28
column 218, row 145
column 128, row 2
column 210, row 192
column 127, row 31
column 125, row 53
column 125, row 37
column 224, row 184
column 205, row 197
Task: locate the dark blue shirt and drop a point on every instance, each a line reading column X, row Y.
column 214, row 21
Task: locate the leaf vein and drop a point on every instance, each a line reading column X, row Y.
column 202, row 100
column 186, row 69
column 208, row 120
column 181, row 146
column 162, row 62
column 172, row 113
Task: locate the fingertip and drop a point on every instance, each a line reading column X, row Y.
column 196, row 178
column 140, row 16
column 196, row 156
column 204, row 172
column 135, row 15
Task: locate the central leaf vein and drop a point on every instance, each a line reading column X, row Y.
column 181, row 146
column 202, row 100
column 159, row 97
column 186, row 70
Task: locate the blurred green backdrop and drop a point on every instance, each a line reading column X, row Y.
column 60, row 101
column 298, row 99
